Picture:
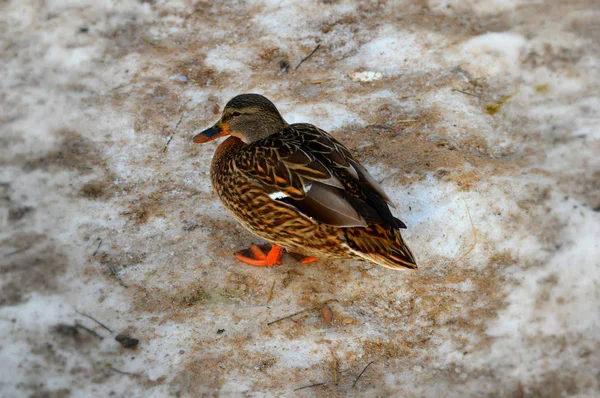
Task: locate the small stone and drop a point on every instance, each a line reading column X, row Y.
column 181, row 78
column 126, row 341
column 326, row 314
column 283, row 65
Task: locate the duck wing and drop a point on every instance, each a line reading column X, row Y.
column 305, row 167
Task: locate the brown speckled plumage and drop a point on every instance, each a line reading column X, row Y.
column 301, row 189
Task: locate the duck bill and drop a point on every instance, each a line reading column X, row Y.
column 216, row 131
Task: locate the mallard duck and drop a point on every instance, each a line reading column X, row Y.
column 300, row 189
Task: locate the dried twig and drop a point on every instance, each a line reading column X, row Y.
column 286, row 317
column 336, row 380
column 474, row 237
column 466, row 92
column 304, row 310
column 313, row 82
column 19, row 250
column 90, row 331
column 312, row 385
column 270, row 293
column 308, row 56
column 94, row 319
column 113, row 272
column 390, row 127
column 379, row 127
column 180, row 119
column 175, row 129
column 167, row 144
column 327, row 302
column 118, row 87
column 121, row 371
column 361, row 373
column 98, row 248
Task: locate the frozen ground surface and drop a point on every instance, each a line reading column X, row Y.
column 107, row 210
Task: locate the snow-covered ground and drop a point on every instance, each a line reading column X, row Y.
column 481, row 119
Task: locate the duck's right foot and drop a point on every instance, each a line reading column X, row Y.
column 302, row 258
column 261, row 256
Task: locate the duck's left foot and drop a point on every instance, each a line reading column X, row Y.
column 302, row 258
column 260, row 255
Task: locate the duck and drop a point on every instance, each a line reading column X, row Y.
column 299, row 189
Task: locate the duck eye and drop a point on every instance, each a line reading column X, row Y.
column 236, row 113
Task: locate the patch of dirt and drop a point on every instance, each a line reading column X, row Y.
column 240, row 285
column 551, row 57
column 60, row 393
column 455, row 300
column 195, row 72
column 73, row 152
column 141, row 210
column 76, row 153
column 66, row 336
column 421, row 156
column 32, row 264
column 15, row 214
column 115, row 261
column 577, row 376
column 97, row 190
column 201, row 377
column 157, row 300
column 157, row 110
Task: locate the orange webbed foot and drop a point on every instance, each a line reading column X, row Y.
column 308, row 259
column 255, row 255
column 302, row 258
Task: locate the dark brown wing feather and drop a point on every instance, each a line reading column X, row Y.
column 306, row 167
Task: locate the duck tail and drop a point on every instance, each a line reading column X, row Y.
column 381, row 245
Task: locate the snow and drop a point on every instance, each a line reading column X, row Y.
column 393, row 51
column 365, row 77
column 481, row 120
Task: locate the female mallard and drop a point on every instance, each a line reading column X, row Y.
column 298, row 188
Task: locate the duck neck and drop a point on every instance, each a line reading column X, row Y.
column 261, row 127
column 226, row 147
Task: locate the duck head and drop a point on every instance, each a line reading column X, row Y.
column 249, row 117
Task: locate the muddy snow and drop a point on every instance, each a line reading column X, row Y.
column 480, row 119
